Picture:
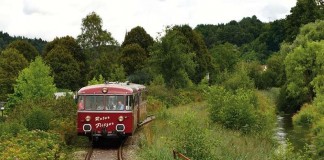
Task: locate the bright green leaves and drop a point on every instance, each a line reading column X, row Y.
column 92, row 34
column 33, row 82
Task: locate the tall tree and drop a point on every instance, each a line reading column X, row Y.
column 70, row 44
column 276, row 70
column 301, row 66
column 202, row 58
column 238, row 33
column 65, row 68
column 11, row 63
column 173, row 57
column 304, row 12
column 139, row 36
column 225, row 56
column 133, row 58
column 24, row 47
column 210, row 33
column 275, row 35
column 135, row 54
column 92, row 35
column 108, row 65
column 33, row 82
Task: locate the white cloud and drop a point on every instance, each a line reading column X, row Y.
column 49, row 19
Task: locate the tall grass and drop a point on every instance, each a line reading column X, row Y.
column 189, row 126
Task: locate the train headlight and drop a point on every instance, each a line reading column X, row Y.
column 87, row 127
column 87, row 118
column 120, row 128
column 120, row 118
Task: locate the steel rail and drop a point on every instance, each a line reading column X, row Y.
column 120, row 150
column 89, row 153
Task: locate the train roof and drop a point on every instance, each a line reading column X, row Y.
column 112, row 88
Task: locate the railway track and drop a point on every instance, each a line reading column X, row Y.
column 110, row 149
column 103, row 151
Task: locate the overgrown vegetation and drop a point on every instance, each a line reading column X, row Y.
column 189, row 130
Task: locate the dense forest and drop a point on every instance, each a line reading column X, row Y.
column 232, row 64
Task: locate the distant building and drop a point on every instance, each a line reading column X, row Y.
column 264, row 68
column 63, row 94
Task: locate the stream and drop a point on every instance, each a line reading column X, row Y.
column 298, row 137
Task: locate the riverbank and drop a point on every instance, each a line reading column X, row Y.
column 191, row 122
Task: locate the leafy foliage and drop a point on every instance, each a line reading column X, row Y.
column 108, row 65
column 302, row 65
column 94, row 80
column 32, row 83
column 138, row 36
column 306, row 117
column 38, row 119
column 225, row 56
column 276, row 70
column 25, row 48
column 239, row 79
column 190, row 137
column 73, row 48
column 11, row 129
column 304, row 12
column 202, row 58
column 92, row 34
column 275, row 35
column 237, row 33
column 173, row 58
column 26, row 144
column 6, row 39
column 65, row 68
column 318, row 141
column 134, row 58
column 11, row 63
column 237, row 110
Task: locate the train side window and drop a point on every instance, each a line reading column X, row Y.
column 136, row 99
column 80, row 103
column 129, row 102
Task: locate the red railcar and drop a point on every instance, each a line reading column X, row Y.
column 112, row 109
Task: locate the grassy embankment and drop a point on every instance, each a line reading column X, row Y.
column 189, row 128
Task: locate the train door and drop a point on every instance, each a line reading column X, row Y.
column 131, row 106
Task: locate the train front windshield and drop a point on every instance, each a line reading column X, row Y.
column 101, row 102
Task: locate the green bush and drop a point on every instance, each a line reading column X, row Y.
column 239, row 79
column 31, row 145
column 2, row 119
column 190, row 137
column 11, row 129
column 66, row 128
column 319, row 144
column 236, row 110
column 38, row 119
column 64, row 107
column 318, row 140
column 306, row 117
column 25, row 108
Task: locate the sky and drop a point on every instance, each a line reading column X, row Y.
column 48, row 19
